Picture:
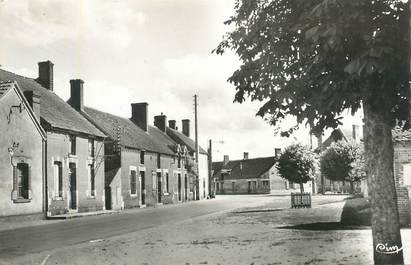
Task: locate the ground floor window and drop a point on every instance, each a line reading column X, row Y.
column 265, row 184
column 167, row 184
column 92, row 180
column 58, row 179
column 22, row 180
column 133, row 182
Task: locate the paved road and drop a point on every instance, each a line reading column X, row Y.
column 70, row 232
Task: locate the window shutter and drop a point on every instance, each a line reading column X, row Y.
column 29, row 182
column 14, row 191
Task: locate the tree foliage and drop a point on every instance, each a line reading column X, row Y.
column 297, row 164
column 313, row 59
column 343, row 161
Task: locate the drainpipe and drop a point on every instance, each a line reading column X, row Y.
column 45, row 186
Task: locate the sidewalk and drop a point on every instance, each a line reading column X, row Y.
column 83, row 214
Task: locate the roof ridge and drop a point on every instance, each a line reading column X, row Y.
column 255, row 158
column 19, row 75
column 105, row 112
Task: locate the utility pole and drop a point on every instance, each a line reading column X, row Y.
column 210, row 172
column 196, row 124
column 197, row 189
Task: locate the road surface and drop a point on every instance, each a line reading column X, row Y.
column 22, row 241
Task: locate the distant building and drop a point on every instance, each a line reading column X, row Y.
column 21, row 160
column 251, row 176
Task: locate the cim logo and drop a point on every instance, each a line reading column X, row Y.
column 385, row 249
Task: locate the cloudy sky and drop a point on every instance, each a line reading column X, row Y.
column 155, row 51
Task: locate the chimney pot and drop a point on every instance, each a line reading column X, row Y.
column 160, row 122
column 186, row 127
column 139, row 114
column 46, row 74
column 76, row 94
column 245, row 155
column 172, row 124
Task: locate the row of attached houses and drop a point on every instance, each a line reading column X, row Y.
column 62, row 157
column 252, row 176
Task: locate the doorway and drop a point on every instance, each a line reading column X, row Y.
column 158, row 187
column 73, row 186
column 185, row 187
column 143, row 187
column 179, row 187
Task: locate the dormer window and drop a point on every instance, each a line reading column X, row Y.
column 72, row 142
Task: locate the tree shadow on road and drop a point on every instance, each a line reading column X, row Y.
column 355, row 215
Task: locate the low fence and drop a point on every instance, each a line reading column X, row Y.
column 299, row 200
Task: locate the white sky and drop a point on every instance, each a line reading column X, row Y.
column 155, row 51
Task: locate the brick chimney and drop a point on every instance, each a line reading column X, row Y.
column 76, row 94
column 160, row 121
column 139, row 115
column 46, row 74
column 186, row 127
column 172, row 124
column 226, row 160
column 245, row 155
column 34, row 101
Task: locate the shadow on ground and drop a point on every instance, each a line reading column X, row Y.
column 355, row 215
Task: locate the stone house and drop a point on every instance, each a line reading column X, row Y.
column 199, row 181
column 143, row 165
column 402, row 173
column 252, row 176
column 73, row 160
column 21, row 159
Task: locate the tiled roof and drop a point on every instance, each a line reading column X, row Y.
column 182, row 139
column 6, row 86
column 132, row 135
column 216, row 167
column 398, row 135
column 335, row 136
column 55, row 111
column 247, row 168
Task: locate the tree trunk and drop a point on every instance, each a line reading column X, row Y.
column 379, row 160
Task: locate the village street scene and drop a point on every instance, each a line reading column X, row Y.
column 205, row 132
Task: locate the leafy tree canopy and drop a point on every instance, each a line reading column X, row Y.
column 343, row 161
column 313, row 59
column 296, row 163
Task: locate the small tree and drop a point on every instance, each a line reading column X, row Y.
column 297, row 164
column 343, row 161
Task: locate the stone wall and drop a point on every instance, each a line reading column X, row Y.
column 17, row 127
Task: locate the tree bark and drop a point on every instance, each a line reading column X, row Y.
column 379, row 160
